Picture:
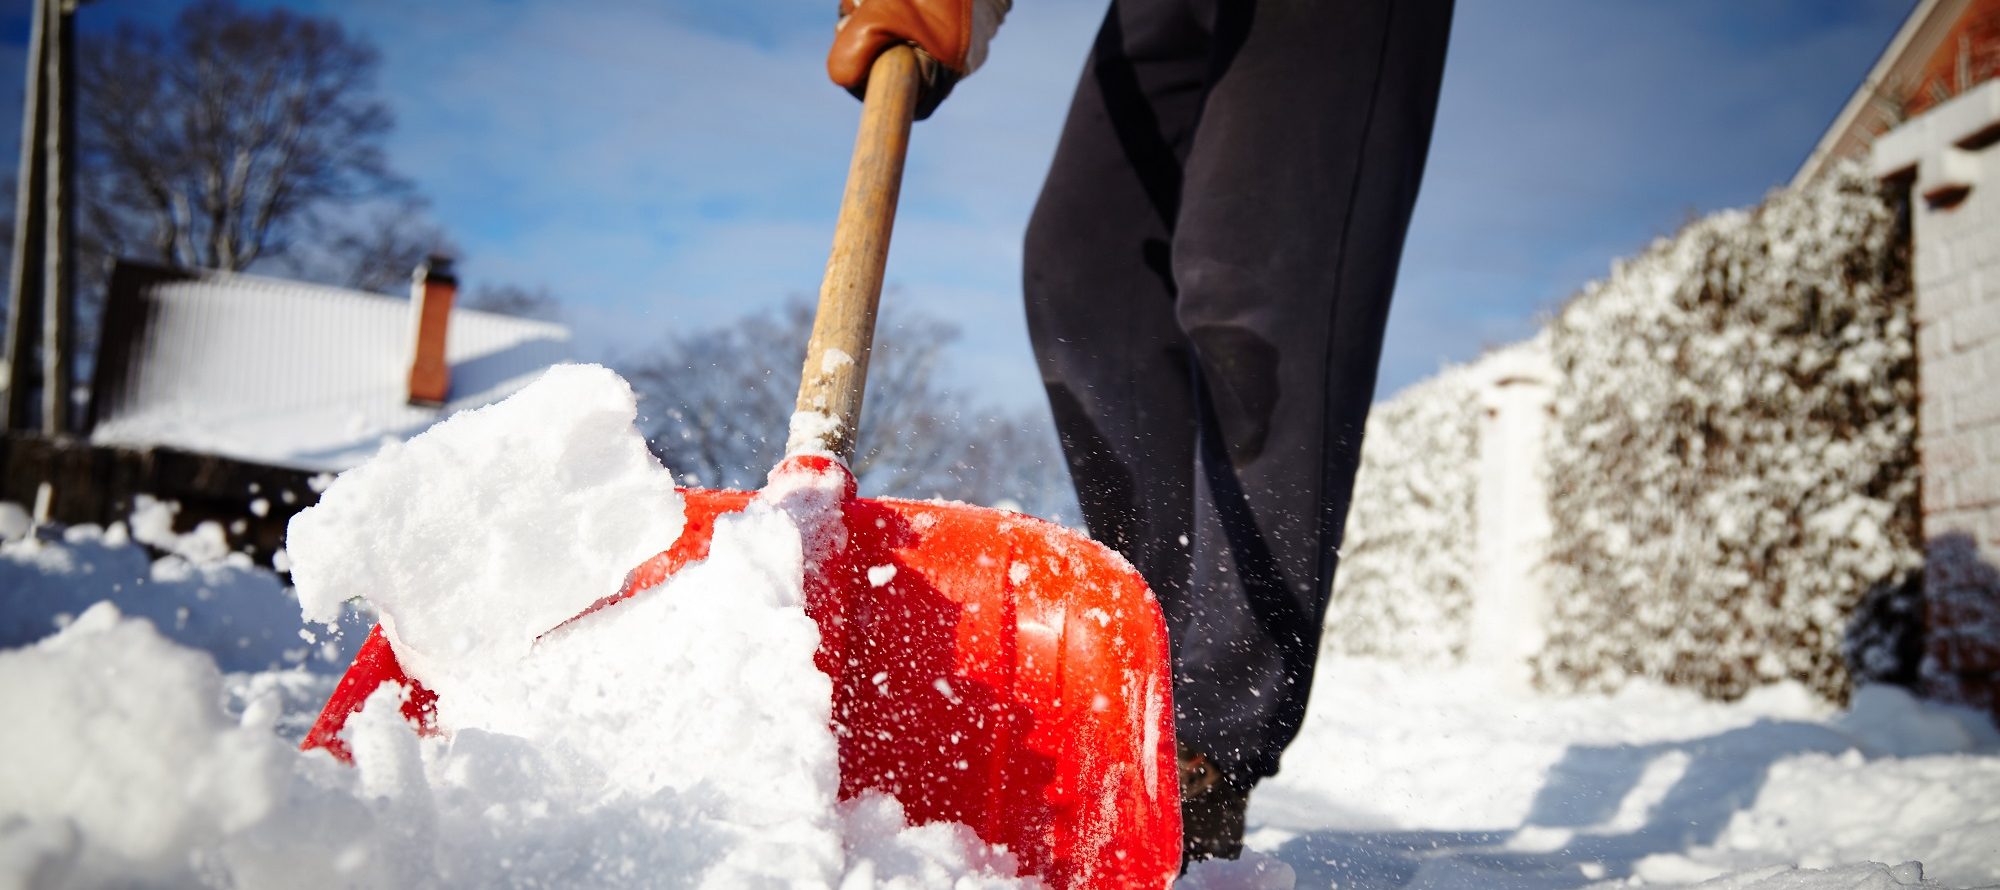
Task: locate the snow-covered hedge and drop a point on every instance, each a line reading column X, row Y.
column 1733, row 467
column 1404, row 585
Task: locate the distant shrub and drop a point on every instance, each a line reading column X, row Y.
column 1732, row 467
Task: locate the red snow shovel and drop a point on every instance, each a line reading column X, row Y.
column 1011, row 674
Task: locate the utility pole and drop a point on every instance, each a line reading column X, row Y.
column 59, row 245
column 43, row 304
column 24, row 305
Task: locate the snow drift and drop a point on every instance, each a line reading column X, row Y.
column 681, row 738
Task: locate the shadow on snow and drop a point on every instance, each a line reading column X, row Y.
column 1590, row 822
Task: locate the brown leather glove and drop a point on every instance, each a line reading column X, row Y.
column 950, row 35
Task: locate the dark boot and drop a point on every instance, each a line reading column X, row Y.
column 1211, row 811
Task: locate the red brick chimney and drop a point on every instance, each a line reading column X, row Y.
column 432, row 290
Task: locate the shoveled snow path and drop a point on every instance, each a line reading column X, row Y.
column 1418, row 777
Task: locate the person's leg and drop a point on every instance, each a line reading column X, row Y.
column 1296, row 196
column 1100, row 291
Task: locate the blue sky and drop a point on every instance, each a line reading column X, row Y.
column 662, row 164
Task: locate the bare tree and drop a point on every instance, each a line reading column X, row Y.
column 378, row 251
column 517, row 300
column 715, row 406
column 219, row 141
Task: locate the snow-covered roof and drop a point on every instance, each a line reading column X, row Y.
column 286, row 373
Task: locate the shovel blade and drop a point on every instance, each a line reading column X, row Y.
column 989, row 668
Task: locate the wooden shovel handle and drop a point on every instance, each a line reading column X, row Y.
column 836, row 370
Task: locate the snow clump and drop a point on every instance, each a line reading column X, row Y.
column 478, row 536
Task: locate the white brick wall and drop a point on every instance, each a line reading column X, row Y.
column 1958, row 318
column 1957, row 277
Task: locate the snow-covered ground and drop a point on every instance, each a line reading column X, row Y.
column 1406, row 777
column 130, row 757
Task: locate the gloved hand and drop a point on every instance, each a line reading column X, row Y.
column 950, row 35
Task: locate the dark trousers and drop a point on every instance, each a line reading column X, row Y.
column 1208, row 274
